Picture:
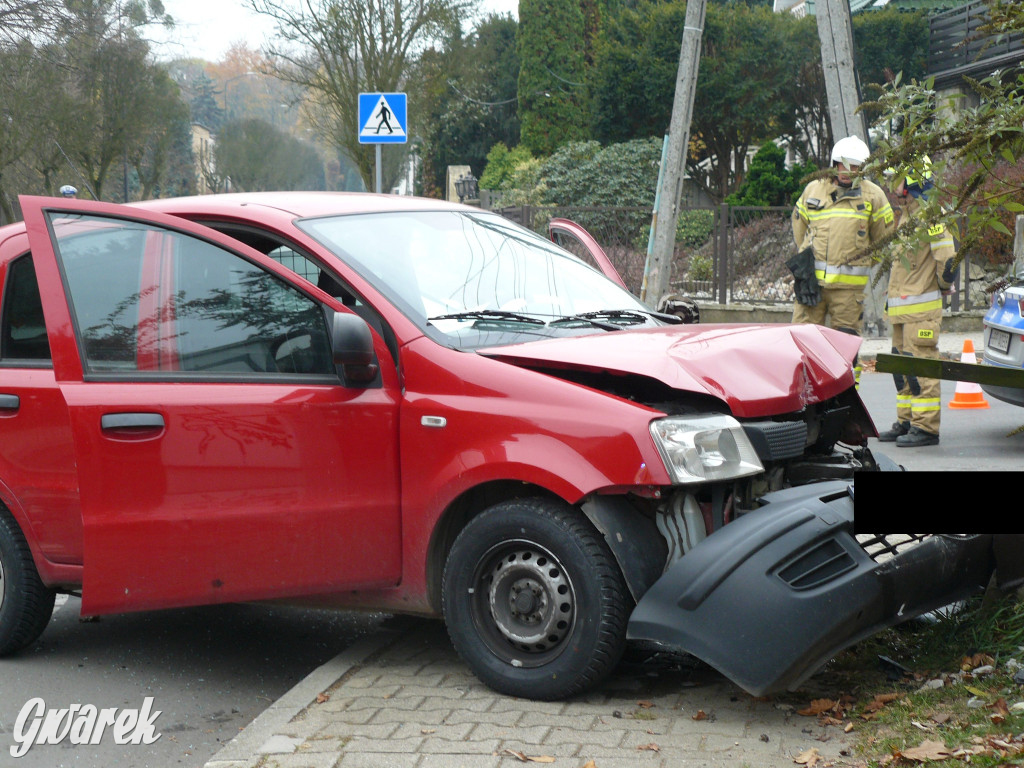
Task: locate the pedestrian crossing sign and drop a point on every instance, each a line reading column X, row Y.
column 382, row 118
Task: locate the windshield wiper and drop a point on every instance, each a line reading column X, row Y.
column 608, row 314
column 587, row 317
column 489, row 314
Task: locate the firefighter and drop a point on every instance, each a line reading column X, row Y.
column 920, row 276
column 835, row 221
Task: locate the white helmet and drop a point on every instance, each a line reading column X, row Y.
column 68, row 191
column 850, row 151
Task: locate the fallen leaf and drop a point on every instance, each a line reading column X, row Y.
column 590, row 764
column 322, row 697
column 818, row 706
column 522, row 757
column 941, row 718
column 880, row 701
column 976, row 691
column 649, row 747
column 701, row 715
column 645, row 704
column 827, row 720
column 922, row 726
column 928, row 750
column 809, row 757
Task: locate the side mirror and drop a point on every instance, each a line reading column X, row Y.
column 352, row 349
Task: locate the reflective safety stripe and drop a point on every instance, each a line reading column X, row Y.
column 946, row 242
column 843, row 279
column 905, row 305
column 845, row 274
column 921, row 404
column 835, row 213
column 885, row 212
column 904, row 401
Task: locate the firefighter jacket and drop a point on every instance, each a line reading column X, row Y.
column 919, row 276
column 839, row 224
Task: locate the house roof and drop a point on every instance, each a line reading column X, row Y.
column 930, row 6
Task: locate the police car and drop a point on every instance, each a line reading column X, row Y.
column 1004, row 340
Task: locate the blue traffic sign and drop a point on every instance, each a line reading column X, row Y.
column 382, row 118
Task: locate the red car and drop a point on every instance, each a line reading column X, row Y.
column 389, row 403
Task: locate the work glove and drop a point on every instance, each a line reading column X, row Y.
column 805, row 283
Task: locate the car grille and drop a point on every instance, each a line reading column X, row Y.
column 777, row 440
column 883, row 546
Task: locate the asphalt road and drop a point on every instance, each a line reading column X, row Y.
column 210, row 672
column 970, row 440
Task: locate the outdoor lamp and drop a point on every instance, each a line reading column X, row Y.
column 466, row 186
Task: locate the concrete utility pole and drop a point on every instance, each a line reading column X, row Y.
column 659, row 265
column 835, row 31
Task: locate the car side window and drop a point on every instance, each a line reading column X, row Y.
column 146, row 299
column 23, row 330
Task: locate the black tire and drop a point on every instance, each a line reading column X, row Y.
column 26, row 604
column 534, row 601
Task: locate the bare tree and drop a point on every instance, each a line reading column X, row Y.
column 337, row 49
column 23, row 19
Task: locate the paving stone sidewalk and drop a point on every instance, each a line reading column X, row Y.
column 403, row 699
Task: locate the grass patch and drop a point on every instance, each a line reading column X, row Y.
column 899, row 719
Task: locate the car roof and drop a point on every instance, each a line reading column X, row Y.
column 279, row 206
column 296, row 204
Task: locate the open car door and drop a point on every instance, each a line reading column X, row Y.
column 219, row 456
column 578, row 241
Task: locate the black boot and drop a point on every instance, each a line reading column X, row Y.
column 916, row 438
column 899, row 429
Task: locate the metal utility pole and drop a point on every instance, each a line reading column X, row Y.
column 659, row 264
column 835, row 31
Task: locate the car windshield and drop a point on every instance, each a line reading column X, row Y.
column 476, row 279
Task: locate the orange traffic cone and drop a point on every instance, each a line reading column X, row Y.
column 968, row 394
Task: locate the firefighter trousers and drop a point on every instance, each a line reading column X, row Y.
column 918, row 400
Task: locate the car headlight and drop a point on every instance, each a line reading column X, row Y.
column 697, row 449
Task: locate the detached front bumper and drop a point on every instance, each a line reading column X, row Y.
column 771, row 597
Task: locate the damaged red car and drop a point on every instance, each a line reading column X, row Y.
column 413, row 406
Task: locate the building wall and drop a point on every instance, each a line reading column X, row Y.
column 202, row 153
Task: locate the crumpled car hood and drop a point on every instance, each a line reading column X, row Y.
column 757, row 370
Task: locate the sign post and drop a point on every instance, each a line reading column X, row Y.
column 382, row 120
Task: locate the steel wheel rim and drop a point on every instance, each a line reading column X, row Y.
column 523, row 603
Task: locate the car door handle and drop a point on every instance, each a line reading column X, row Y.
column 131, row 421
column 10, row 402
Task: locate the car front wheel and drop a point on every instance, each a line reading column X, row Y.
column 26, row 604
column 534, row 601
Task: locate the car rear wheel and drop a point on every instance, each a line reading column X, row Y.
column 26, row 604
column 533, row 600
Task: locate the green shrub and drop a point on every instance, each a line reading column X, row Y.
column 502, row 163
column 694, row 227
column 701, row 268
column 768, row 182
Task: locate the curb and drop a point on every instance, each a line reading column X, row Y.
column 261, row 736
